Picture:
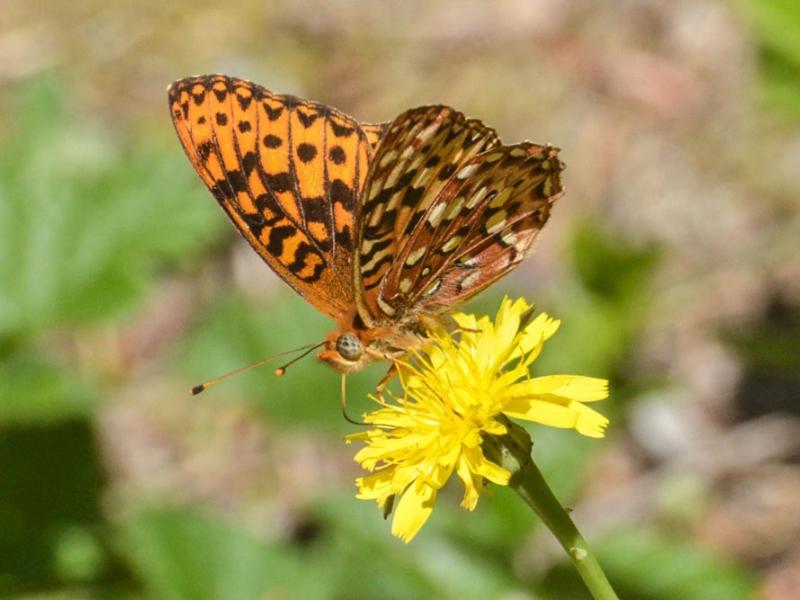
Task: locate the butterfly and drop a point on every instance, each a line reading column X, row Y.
column 384, row 227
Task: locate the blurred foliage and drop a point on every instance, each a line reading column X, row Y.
column 86, row 221
column 770, row 349
column 665, row 568
column 95, row 219
column 52, row 530
column 234, row 332
column 777, row 23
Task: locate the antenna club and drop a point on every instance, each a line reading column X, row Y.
column 306, row 350
column 280, row 372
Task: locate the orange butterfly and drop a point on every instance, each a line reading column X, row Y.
column 383, row 227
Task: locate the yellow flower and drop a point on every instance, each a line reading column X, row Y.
column 455, row 390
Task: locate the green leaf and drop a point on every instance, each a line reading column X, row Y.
column 33, row 390
column 51, row 526
column 610, row 269
column 645, row 565
column 776, row 24
column 86, row 220
column 683, row 570
column 181, row 555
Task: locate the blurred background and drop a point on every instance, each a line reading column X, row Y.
column 673, row 261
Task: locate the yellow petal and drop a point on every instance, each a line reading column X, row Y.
column 414, row 508
column 507, row 325
column 574, row 387
column 570, row 415
column 495, row 428
column 465, row 321
column 538, row 331
column 472, row 485
column 479, row 464
column 375, row 486
column 591, row 423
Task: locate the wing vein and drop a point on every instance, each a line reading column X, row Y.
column 326, row 184
column 298, row 198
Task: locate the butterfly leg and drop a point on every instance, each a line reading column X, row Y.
column 382, row 383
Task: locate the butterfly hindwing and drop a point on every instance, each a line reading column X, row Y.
column 419, row 153
column 479, row 227
column 374, row 133
column 288, row 173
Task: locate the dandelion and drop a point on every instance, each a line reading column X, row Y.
column 459, row 393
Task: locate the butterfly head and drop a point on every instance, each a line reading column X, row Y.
column 345, row 351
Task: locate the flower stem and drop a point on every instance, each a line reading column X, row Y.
column 528, row 482
column 533, row 489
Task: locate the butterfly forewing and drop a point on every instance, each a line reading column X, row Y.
column 418, row 154
column 288, row 173
column 480, row 226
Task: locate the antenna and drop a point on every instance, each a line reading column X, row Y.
column 280, row 371
column 202, row 387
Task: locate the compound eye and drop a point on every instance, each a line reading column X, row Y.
column 349, row 346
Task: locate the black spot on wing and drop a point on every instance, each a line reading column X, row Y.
column 238, row 182
column 433, row 161
column 272, row 141
column 405, row 179
column 223, row 189
column 307, row 119
column 382, row 197
column 376, row 269
column 244, row 101
column 277, row 235
column 412, row 222
column 306, row 152
column 271, row 212
column 344, row 238
column 337, row 155
column 249, row 162
column 296, row 267
column 377, row 247
column 341, row 130
column 273, row 114
column 280, row 182
column 342, row 193
column 204, row 150
column 315, row 209
column 413, row 196
column 446, row 172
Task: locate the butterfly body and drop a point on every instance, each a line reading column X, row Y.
column 383, row 227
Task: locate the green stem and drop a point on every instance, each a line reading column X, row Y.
column 533, row 489
column 514, row 452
